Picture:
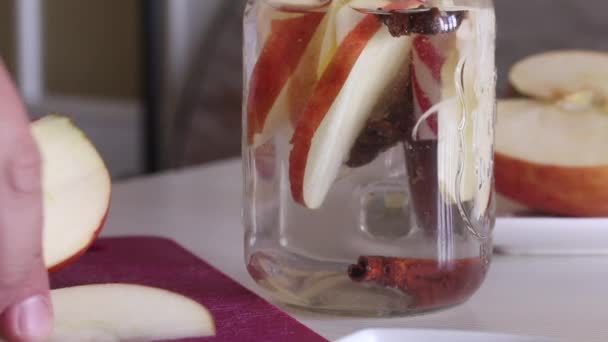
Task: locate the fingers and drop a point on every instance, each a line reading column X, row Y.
column 12, row 110
column 24, row 289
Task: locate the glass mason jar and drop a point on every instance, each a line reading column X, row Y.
column 368, row 152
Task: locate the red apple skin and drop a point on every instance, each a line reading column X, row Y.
column 266, row 160
column 429, row 55
column 279, row 58
column 302, row 85
column 295, row 9
column 425, row 104
column 568, row 191
column 326, row 91
column 72, row 259
column 432, row 57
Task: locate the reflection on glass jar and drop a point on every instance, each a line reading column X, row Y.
column 368, row 152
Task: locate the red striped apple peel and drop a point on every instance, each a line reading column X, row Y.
column 267, row 102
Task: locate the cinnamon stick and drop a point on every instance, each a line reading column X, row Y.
column 429, row 282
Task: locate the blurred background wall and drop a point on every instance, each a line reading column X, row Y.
column 94, row 66
column 91, row 68
column 532, row 26
column 93, row 48
column 6, row 39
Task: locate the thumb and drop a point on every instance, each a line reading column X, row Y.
column 24, row 286
column 25, row 309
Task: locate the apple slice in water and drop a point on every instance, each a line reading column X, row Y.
column 337, row 19
column 298, row 5
column 320, row 51
column 268, row 97
column 283, row 77
column 76, row 189
column 364, row 64
column 552, row 159
column 465, row 119
column 123, row 312
column 343, row 20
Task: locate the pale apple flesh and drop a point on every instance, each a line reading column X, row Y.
column 125, row 312
column 342, row 20
column 76, row 189
column 552, row 159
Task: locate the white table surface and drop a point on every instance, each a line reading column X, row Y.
column 552, row 296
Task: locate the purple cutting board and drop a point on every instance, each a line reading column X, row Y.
column 240, row 315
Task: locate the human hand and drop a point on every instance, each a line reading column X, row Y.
column 25, row 307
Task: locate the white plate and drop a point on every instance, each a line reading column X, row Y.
column 421, row 335
column 520, row 231
column 551, row 236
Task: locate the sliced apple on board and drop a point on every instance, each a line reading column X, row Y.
column 125, row 312
column 76, row 189
column 364, row 64
column 572, row 77
column 553, row 159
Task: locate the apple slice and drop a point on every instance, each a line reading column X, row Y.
column 265, row 157
column 557, row 75
column 364, row 64
column 298, row 5
column 76, row 189
column 341, row 21
column 261, row 24
column 319, row 52
column 124, row 312
column 267, row 100
column 465, row 118
column 552, row 159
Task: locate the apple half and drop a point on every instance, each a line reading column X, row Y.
column 125, row 312
column 570, row 75
column 552, row 159
column 76, row 189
